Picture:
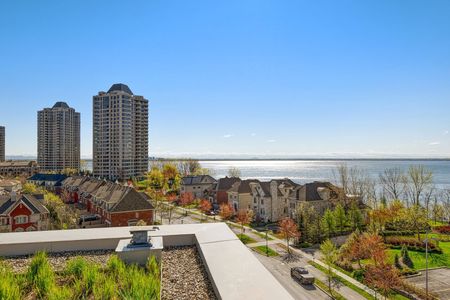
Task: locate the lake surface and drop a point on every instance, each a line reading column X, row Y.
column 302, row 171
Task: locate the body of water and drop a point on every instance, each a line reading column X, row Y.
column 303, row 171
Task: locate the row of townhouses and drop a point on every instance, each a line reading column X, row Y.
column 269, row 200
column 116, row 204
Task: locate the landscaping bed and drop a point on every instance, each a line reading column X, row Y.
column 263, row 250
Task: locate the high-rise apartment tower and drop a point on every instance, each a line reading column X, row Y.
column 2, row 143
column 120, row 133
column 58, row 138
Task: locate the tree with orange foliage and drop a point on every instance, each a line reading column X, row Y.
column 381, row 275
column 205, row 206
column 186, row 199
column 226, row 211
column 289, row 230
column 244, row 216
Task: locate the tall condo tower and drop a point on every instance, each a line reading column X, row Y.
column 59, row 138
column 120, row 132
column 2, row 143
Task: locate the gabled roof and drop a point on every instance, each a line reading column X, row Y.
column 243, row 186
column 131, row 201
column 311, row 189
column 191, row 180
column 6, row 204
column 120, row 87
column 224, row 184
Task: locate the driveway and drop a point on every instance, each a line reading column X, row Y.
column 438, row 282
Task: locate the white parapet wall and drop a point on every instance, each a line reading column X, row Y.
column 234, row 271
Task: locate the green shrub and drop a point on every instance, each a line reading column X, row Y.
column 304, row 245
column 358, row 274
column 397, row 262
column 406, row 260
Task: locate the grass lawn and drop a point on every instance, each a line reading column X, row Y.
column 245, row 238
column 350, row 285
column 434, row 260
column 344, row 282
column 263, row 235
column 262, row 250
column 322, row 285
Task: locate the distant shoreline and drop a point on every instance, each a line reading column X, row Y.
column 264, row 159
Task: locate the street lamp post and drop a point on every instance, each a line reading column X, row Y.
column 426, row 263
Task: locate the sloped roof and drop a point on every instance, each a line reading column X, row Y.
column 191, row 180
column 120, row 87
column 224, row 184
column 48, row 177
column 132, row 200
column 311, row 189
column 6, row 204
column 61, row 104
column 243, row 186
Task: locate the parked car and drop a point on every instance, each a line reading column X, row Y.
column 302, row 275
column 88, row 218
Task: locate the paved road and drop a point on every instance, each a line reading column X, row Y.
column 281, row 271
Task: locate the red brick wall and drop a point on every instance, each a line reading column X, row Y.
column 222, row 197
column 20, row 210
column 121, row 219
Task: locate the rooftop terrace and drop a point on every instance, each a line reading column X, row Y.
column 234, row 272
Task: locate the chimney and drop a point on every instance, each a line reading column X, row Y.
column 13, row 196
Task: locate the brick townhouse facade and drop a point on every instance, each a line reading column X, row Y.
column 22, row 213
column 116, row 204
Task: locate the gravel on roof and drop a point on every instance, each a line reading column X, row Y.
column 184, row 275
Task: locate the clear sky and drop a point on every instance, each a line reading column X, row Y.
column 274, row 78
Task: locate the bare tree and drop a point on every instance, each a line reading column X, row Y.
column 355, row 182
column 392, row 182
column 419, row 181
column 234, row 172
column 446, row 204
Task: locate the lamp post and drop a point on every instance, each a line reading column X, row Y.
column 426, row 262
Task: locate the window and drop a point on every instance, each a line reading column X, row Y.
column 21, row 219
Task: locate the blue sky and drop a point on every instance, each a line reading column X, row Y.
column 238, row 78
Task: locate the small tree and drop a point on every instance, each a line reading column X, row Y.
column 29, row 188
column 328, row 250
column 288, row 230
column 244, row 216
column 355, row 217
column 406, row 259
column 328, row 222
column 205, row 206
column 226, row 211
column 186, row 199
column 384, row 277
column 340, row 217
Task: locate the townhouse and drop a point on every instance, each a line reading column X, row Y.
column 22, row 213
column 199, row 186
column 277, row 199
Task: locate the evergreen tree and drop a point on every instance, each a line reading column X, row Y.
column 340, row 217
